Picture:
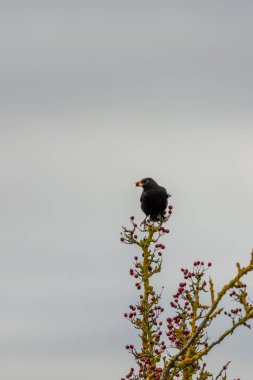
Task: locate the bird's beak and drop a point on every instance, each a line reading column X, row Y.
column 139, row 183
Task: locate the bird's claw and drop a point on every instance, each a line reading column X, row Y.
column 143, row 223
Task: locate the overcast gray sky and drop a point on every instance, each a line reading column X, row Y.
column 94, row 96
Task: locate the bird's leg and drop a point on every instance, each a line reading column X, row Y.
column 160, row 220
column 143, row 222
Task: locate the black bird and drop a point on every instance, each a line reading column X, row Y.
column 154, row 199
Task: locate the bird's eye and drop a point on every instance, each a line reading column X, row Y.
column 147, row 180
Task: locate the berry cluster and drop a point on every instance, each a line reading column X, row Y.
column 238, row 295
column 186, row 302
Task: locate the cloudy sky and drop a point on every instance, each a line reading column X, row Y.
column 94, row 96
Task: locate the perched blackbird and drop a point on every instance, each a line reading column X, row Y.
column 154, row 199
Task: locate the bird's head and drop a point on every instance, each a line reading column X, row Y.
column 146, row 183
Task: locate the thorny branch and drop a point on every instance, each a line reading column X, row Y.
column 187, row 331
